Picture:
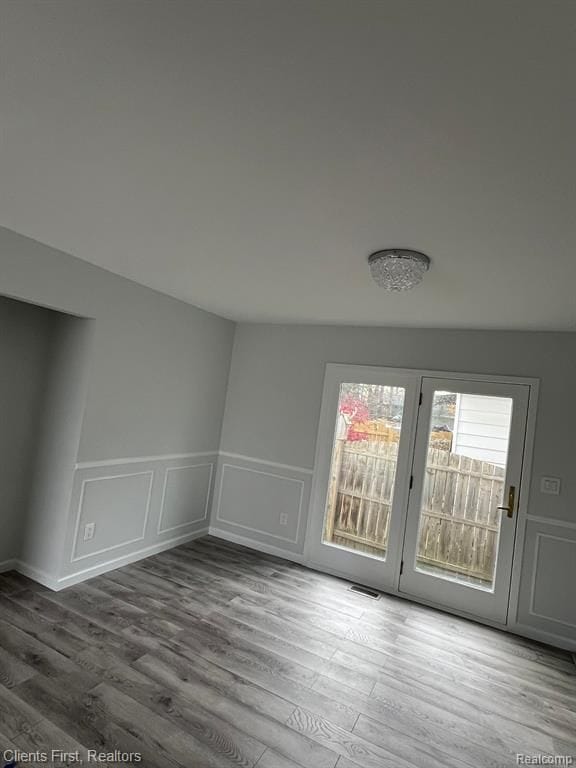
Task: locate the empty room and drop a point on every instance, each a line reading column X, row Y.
column 288, row 362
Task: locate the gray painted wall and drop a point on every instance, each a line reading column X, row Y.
column 277, row 372
column 154, row 387
column 26, row 337
column 159, row 366
column 57, row 439
column 273, row 408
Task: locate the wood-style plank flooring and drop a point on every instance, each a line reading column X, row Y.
column 211, row 655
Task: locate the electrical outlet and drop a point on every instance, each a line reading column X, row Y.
column 89, row 530
column 283, row 518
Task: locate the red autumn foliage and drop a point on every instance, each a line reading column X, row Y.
column 357, row 412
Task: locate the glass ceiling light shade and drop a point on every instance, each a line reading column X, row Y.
column 398, row 269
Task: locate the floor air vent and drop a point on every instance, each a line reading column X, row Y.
column 366, row 591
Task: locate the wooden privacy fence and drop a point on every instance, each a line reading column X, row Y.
column 459, row 520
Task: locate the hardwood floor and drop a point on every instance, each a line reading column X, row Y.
column 211, row 655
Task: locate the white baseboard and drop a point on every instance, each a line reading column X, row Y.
column 8, row 565
column 257, row 545
column 40, row 577
column 544, row 637
column 110, row 565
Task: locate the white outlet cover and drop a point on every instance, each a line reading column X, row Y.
column 550, row 485
column 89, row 530
column 283, row 518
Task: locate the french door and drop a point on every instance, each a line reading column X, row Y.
column 417, row 482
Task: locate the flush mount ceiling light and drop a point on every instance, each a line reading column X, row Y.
column 398, row 269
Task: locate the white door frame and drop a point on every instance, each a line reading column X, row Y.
column 333, row 369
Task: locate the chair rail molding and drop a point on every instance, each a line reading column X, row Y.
column 143, row 459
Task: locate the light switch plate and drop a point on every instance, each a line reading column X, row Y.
column 550, row 485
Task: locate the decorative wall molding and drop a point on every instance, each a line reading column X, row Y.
column 160, row 469
column 536, row 553
column 235, row 524
column 204, row 517
column 254, row 460
column 143, row 459
column 149, row 504
column 75, row 558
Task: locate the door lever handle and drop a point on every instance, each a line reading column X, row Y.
column 511, row 498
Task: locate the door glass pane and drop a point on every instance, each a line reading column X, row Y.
column 463, row 486
column 363, row 469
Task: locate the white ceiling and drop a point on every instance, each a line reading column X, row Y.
column 248, row 155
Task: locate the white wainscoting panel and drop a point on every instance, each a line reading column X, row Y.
column 261, row 501
column 554, row 577
column 137, row 506
column 185, row 496
column 119, row 506
column 547, row 600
